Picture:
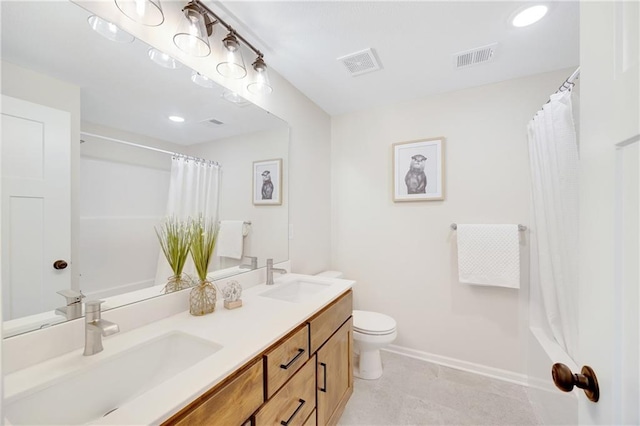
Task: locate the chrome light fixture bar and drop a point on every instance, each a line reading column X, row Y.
column 232, row 65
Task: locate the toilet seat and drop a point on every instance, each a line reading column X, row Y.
column 373, row 323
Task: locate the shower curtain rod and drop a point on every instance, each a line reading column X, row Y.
column 569, row 82
column 177, row 154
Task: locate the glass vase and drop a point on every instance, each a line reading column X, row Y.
column 178, row 282
column 202, row 299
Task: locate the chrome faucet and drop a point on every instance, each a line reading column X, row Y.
column 253, row 265
column 95, row 327
column 73, row 309
column 271, row 270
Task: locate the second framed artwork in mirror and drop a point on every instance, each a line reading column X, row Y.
column 267, row 182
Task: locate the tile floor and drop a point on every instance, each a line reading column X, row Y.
column 415, row 392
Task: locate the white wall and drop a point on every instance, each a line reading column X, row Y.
column 267, row 236
column 403, row 255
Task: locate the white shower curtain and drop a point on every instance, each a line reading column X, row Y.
column 553, row 156
column 194, row 190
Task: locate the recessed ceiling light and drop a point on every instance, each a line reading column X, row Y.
column 176, row 119
column 108, row 30
column 529, row 15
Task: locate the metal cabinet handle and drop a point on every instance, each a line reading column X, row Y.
column 565, row 380
column 287, row 365
column 60, row 264
column 324, row 377
column 302, row 402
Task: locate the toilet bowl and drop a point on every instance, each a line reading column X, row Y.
column 371, row 332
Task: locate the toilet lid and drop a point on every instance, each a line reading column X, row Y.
column 373, row 322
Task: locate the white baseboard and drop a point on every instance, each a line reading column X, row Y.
column 471, row 367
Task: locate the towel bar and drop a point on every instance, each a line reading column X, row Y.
column 454, row 226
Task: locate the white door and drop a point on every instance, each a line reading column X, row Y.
column 609, row 302
column 35, row 204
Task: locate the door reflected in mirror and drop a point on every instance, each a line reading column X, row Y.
column 90, row 159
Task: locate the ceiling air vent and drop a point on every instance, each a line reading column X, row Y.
column 475, row 56
column 360, row 62
column 212, row 122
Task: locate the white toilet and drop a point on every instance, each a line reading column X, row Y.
column 371, row 332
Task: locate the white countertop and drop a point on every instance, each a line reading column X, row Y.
column 243, row 333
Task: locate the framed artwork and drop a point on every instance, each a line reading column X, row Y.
column 267, row 182
column 418, row 170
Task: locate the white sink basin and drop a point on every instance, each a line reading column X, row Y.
column 100, row 388
column 296, row 291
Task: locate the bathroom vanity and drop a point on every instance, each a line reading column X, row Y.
column 303, row 379
column 285, row 357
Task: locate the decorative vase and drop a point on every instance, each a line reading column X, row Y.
column 178, row 282
column 202, row 299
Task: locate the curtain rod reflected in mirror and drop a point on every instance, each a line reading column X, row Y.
column 150, row 148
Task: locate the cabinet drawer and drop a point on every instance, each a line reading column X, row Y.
column 285, row 359
column 294, row 402
column 246, row 392
column 311, row 421
column 324, row 324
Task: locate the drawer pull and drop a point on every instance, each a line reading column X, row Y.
column 324, row 379
column 302, row 402
column 295, row 358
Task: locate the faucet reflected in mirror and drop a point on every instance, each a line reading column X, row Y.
column 73, row 309
column 95, row 327
column 253, row 265
column 86, row 82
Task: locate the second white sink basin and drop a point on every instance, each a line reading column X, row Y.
column 296, row 291
column 99, row 389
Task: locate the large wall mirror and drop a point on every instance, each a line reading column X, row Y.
column 87, row 165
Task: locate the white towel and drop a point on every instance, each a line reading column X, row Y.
column 230, row 239
column 489, row 255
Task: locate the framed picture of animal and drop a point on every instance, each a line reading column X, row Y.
column 267, row 182
column 418, row 170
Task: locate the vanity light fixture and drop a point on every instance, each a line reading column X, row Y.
column 194, row 31
column 529, row 16
column 232, row 65
column 145, row 12
column 108, row 30
column 261, row 85
column 202, row 80
column 163, row 59
column 176, row 119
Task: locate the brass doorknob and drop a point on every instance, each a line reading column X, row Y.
column 565, row 380
column 60, row 264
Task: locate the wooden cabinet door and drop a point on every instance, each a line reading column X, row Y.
column 335, row 375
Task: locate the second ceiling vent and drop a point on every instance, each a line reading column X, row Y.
column 360, row 62
column 475, row 56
